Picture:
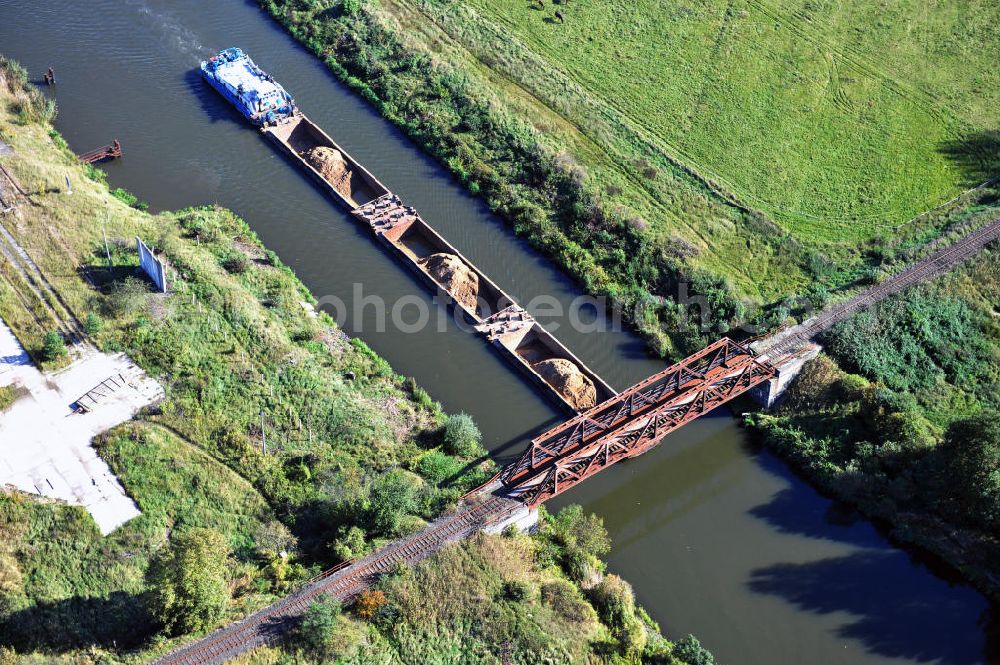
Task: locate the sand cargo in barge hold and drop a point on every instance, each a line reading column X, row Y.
column 336, row 171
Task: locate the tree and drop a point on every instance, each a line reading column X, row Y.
column 93, row 324
column 318, row 624
column 54, row 346
column 127, row 297
column 236, row 263
column 972, row 458
column 573, row 528
column 188, row 580
column 461, row 436
column 690, row 651
column 350, row 544
column 271, row 538
column 369, row 603
column 391, row 497
column 615, row 604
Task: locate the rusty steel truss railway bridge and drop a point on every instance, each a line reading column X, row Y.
column 623, row 426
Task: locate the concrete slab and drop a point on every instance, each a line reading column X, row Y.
column 45, row 441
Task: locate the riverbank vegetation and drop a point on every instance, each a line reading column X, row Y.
column 491, row 599
column 620, row 204
column 899, row 416
column 297, row 445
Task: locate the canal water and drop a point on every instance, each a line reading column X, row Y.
column 718, row 538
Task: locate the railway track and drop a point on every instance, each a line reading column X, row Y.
column 343, row 583
column 928, row 268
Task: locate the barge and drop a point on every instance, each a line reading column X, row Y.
column 493, row 313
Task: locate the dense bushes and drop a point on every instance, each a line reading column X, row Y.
column 28, row 103
column 911, row 342
column 316, row 631
column 10, row 394
column 54, row 346
column 914, row 441
column 493, row 598
column 575, row 541
column 392, row 497
column 971, row 452
column 461, row 436
column 615, row 604
column 129, row 199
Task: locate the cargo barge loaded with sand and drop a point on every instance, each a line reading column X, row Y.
column 493, row 313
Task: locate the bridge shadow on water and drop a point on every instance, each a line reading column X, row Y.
column 801, row 511
column 892, row 611
column 895, row 603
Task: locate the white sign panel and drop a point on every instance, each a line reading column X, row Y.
column 151, row 265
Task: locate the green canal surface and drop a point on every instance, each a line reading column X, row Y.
column 718, row 538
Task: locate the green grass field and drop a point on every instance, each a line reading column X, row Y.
column 840, row 120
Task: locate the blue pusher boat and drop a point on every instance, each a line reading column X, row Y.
column 251, row 90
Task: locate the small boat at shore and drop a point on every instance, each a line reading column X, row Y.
column 251, row 90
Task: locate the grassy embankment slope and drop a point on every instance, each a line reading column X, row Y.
column 639, row 143
column 355, row 454
column 900, row 417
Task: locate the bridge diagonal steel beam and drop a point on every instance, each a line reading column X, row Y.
column 667, row 386
column 641, row 433
column 653, row 390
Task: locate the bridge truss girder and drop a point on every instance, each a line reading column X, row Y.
column 639, row 419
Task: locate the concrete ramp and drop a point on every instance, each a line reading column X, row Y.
column 45, row 435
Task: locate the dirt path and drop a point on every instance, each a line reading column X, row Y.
column 67, row 323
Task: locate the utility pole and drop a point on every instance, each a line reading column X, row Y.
column 263, row 436
column 104, row 230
